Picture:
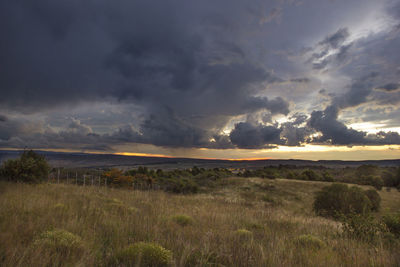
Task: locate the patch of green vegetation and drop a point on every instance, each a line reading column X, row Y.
column 143, row 254
column 182, row 220
column 309, row 242
column 362, row 227
column 243, row 235
column 392, row 222
column 60, row 240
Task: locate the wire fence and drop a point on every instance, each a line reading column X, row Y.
column 93, row 178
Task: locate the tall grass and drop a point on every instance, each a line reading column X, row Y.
column 106, row 221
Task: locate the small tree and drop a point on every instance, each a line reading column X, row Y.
column 309, row 175
column 30, row 167
column 338, row 199
column 375, row 199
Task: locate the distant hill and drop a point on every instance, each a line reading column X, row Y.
column 86, row 160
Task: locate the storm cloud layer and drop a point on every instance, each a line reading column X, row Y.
column 93, row 75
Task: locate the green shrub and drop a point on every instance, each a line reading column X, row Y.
column 389, row 179
column 377, row 182
column 290, row 175
column 180, row 185
column 375, row 199
column 309, row 175
column 143, row 254
column 182, row 220
column 357, row 201
column 309, row 242
column 327, row 177
column 60, row 241
column 362, row 227
column 338, row 199
column 392, row 222
column 243, row 235
column 29, row 167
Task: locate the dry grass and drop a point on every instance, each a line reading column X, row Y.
column 108, row 220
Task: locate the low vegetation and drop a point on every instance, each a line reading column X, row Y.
column 142, row 254
column 200, row 217
column 309, row 242
column 103, row 226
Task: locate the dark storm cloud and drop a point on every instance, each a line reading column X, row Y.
column 385, row 138
column 334, row 131
column 295, row 135
column 357, row 93
column 252, row 136
column 184, row 57
column 337, row 133
column 389, row 87
column 183, row 70
column 300, row 80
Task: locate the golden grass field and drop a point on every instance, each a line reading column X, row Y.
column 270, row 215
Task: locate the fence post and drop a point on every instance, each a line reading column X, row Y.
column 76, row 178
column 58, row 176
column 67, row 177
column 84, row 179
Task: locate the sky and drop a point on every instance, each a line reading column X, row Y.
column 231, row 79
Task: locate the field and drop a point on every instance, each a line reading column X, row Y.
column 242, row 222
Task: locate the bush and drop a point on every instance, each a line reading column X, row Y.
column 182, row 220
column 392, row 222
column 389, row 179
column 309, row 175
column 60, row 241
column 143, row 254
column 362, row 227
column 180, row 186
column 243, row 235
column 309, row 242
column 327, row 177
column 30, row 167
column 338, row 199
column 377, row 182
column 375, row 199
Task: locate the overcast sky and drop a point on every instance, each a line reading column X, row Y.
column 312, row 79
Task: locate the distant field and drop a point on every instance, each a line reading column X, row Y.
column 270, row 215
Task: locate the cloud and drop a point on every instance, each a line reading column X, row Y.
column 181, row 72
column 333, row 131
column 3, row 118
column 358, row 92
column 254, row 136
column 336, row 39
column 389, row 87
column 334, row 49
column 300, row 80
column 337, row 133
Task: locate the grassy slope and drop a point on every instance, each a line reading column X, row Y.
column 275, row 211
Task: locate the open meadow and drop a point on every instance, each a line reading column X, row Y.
column 240, row 222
